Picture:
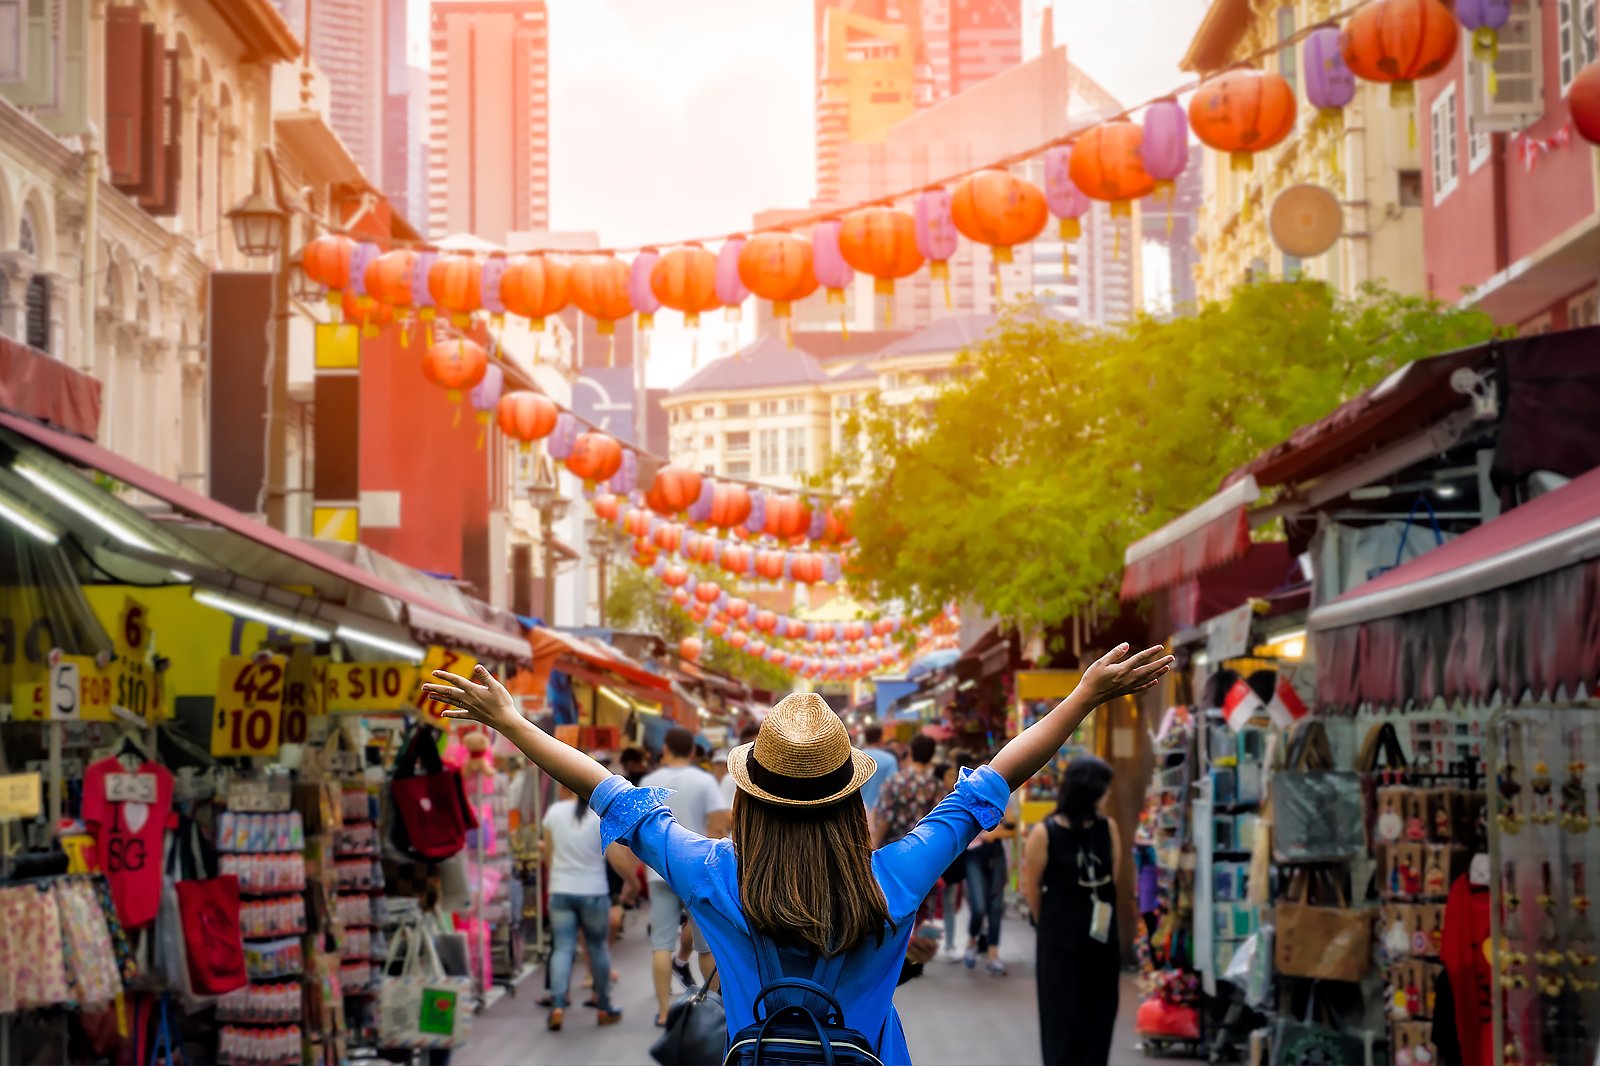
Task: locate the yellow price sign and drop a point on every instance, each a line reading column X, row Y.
column 302, row 695
column 74, row 689
column 369, row 688
column 20, row 796
column 133, row 629
column 439, row 657
column 136, row 689
column 249, row 705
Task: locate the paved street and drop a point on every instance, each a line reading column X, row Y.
column 953, row 1016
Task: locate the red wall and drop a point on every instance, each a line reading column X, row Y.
column 1539, row 205
column 415, row 442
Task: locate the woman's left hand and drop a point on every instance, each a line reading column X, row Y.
column 483, row 699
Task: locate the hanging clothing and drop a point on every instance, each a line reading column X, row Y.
column 129, row 838
column 1078, row 974
column 1466, row 927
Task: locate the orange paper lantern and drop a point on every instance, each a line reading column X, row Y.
column 528, row 416
column 680, row 596
column 673, row 490
column 456, row 282
column 390, row 275
column 736, row 559
column 691, row 647
column 685, row 279
column 882, row 242
column 365, row 312
column 668, row 536
column 707, row 591
column 738, row 607
column 326, row 261
column 595, row 456
column 1399, row 42
column 675, row 576
column 769, row 564
column 1107, row 165
column 730, row 505
column 599, row 288
column 777, row 267
column 839, row 518
column 455, row 365
column 806, row 567
column 787, row 516
column 1242, row 112
column 536, row 287
column 607, row 505
column 997, row 208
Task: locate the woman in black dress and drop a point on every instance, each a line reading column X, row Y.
column 1069, row 872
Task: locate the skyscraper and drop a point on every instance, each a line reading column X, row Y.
column 488, row 118
column 404, row 176
column 346, row 42
column 985, row 38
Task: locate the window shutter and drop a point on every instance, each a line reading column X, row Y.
column 39, row 40
column 13, row 42
column 152, row 132
column 38, row 313
column 168, row 148
column 72, row 105
column 125, row 97
column 1519, row 77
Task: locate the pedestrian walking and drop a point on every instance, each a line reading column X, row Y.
column 1070, row 866
column 696, row 803
column 988, row 870
column 798, row 887
column 580, row 903
column 888, row 765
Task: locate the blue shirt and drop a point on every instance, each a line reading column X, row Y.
column 704, row 874
column 888, row 766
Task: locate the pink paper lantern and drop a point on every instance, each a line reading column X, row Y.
column 1165, row 148
column 729, row 286
column 494, row 268
column 485, row 397
column 827, row 261
column 639, row 290
column 1066, row 201
column 937, row 238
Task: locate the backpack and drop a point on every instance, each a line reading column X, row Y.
column 803, row 1024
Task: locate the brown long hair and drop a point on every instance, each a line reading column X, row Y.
column 805, row 873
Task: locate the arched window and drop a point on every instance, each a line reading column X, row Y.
column 25, row 239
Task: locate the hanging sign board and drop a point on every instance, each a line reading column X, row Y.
column 249, row 705
column 20, row 796
column 302, row 695
column 136, row 690
column 133, row 629
column 369, row 688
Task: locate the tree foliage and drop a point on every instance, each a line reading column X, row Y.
column 636, row 601
column 1020, row 484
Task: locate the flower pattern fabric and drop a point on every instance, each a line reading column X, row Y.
column 127, row 961
column 31, row 947
column 96, row 978
column 905, row 799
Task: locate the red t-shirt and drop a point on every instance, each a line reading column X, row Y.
column 128, row 838
column 1466, row 927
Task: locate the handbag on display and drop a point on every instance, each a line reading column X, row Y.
column 1317, row 811
column 697, row 1029
column 421, row 1007
column 208, row 915
column 1331, row 942
column 430, row 803
column 1305, row 1042
column 1381, row 762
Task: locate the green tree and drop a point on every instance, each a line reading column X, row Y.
column 635, row 600
column 1019, row 486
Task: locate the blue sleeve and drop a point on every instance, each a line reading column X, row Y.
column 641, row 819
column 908, row 868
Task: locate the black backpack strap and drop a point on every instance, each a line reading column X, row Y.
column 769, row 966
column 826, row 973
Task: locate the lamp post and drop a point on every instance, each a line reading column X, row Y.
column 546, row 498
column 600, row 549
column 260, row 230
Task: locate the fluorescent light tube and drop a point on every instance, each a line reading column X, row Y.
column 27, row 523
column 258, row 612
column 372, row 640
column 74, row 502
column 182, row 576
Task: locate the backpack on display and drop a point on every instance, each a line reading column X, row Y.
column 803, row 1023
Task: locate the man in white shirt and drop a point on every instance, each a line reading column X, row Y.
column 697, row 803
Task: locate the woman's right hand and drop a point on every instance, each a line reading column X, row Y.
column 1119, row 673
column 483, row 699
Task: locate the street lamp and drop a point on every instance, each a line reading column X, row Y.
column 546, row 498
column 258, row 224
column 600, row 549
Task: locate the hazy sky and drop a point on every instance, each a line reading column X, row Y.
column 672, row 119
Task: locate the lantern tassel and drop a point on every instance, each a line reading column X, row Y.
column 948, row 303
column 481, row 434
column 405, row 333
column 611, row 350
column 788, row 333
column 844, row 324
column 455, row 419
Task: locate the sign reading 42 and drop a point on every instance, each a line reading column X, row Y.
column 249, row 705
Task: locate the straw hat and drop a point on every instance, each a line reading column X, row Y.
column 802, row 757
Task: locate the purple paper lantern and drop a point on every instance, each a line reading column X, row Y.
column 1066, row 201
column 827, row 261
column 819, row 519
column 1330, row 84
column 494, row 268
column 486, row 394
column 627, row 475
column 360, row 258
column 937, row 238
column 558, row 445
column 639, row 290
column 421, row 295
column 758, row 512
column 1485, row 18
column 700, row 509
column 1165, row 147
column 729, row 286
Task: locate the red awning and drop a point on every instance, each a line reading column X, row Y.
column 423, row 614
column 1512, row 607
column 1214, row 533
column 33, row 384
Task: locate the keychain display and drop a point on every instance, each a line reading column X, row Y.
column 1574, row 799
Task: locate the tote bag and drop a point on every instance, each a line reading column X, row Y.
column 697, row 1029
column 204, row 912
column 421, row 1008
column 1317, row 812
column 432, row 815
column 1333, row 943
